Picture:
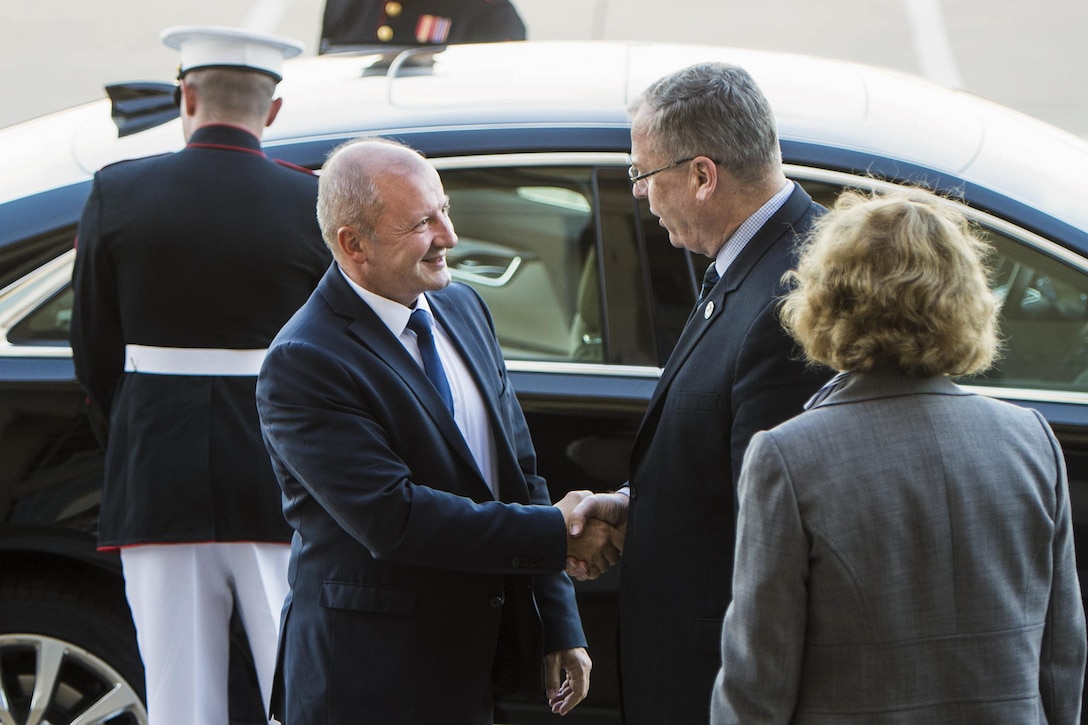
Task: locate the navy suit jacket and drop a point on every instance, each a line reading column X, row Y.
column 405, row 570
column 733, row 372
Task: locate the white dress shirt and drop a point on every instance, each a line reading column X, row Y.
column 470, row 412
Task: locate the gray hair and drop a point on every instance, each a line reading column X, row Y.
column 715, row 110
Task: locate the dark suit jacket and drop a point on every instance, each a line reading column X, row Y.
column 731, row 374
column 214, row 246
column 905, row 555
column 403, row 564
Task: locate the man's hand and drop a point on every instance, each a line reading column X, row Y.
column 597, row 546
column 586, row 520
column 595, row 550
column 609, row 507
column 565, row 693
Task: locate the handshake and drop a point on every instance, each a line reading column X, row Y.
column 596, row 524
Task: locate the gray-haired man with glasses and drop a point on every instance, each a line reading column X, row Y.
column 635, row 176
column 707, row 136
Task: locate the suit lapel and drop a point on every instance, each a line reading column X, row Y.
column 481, row 363
column 372, row 334
column 472, row 352
column 781, row 223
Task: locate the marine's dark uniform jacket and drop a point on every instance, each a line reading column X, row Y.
column 214, row 246
column 418, row 22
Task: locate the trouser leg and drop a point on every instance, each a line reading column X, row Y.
column 181, row 606
column 260, row 577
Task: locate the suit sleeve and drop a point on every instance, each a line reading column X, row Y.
column 325, row 437
column 554, row 592
column 763, row 634
column 1061, row 671
column 98, row 347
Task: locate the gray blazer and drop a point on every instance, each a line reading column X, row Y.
column 904, row 555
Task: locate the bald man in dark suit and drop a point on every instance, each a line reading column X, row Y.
column 427, row 564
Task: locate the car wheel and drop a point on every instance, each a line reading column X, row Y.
column 67, row 656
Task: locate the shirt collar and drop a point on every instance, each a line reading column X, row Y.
column 739, row 239
column 393, row 314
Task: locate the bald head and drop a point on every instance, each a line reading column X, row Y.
column 385, row 215
column 349, row 186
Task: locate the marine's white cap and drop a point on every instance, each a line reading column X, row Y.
column 216, row 47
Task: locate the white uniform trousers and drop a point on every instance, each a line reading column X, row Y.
column 181, row 597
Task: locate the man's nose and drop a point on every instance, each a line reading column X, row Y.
column 446, row 236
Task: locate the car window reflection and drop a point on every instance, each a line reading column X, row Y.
column 576, row 270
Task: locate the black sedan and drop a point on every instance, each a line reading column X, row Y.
column 587, row 294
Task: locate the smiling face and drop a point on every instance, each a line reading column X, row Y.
column 407, row 250
column 402, row 251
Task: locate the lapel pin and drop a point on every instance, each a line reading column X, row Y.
column 708, row 310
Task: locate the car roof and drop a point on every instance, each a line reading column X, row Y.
column 827, row 103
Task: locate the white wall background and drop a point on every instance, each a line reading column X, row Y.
column 1032, row 56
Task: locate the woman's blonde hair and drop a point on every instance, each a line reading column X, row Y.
column 894, row 279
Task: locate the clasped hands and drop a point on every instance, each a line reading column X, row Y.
column 596, row 525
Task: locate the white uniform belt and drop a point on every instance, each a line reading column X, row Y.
column 192, row 361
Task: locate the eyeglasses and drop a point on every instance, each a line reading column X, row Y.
column 635, row 176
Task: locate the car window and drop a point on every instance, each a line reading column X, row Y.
column 532, row 240
column 525, row 236
column 48, row 324
column 574, row 269
column 37, row 309
column 1044, row 319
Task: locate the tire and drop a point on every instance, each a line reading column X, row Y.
column 68, row 651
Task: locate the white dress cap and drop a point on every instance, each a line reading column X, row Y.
column 207, row 46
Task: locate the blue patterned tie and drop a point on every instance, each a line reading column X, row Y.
column 420, row 323
column 709, row 280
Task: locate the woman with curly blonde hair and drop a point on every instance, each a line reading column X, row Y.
column 904, row 546
column 894, row 281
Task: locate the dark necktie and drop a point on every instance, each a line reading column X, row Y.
column 420, row 323
column 709, row 280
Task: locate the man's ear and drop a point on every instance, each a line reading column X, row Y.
column 706, row 177
column 273, row 111
column 188, row 98
column 352, row 244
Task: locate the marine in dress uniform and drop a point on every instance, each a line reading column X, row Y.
column 418, row 22
column 187, row 265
